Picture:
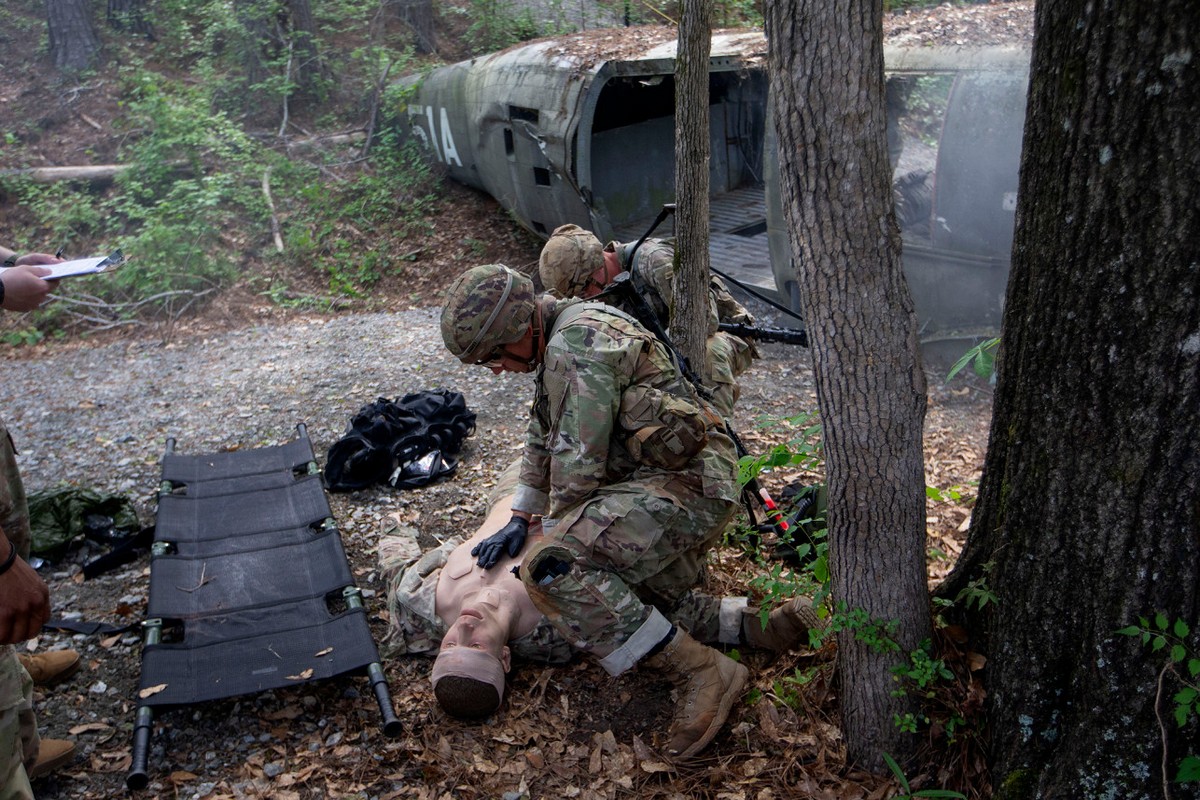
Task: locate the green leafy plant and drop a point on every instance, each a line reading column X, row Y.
column 789, row 689
column 500, row 23
column 982, row 356
column 976, row 593
column 906, row 791
column 802, row 450
column 24, row 337
column 878, row 634
column 924, row 676
column 1163, row 635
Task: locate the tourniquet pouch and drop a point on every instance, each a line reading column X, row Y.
column 663, row 430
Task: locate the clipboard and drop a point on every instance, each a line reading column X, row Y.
column 82, row 266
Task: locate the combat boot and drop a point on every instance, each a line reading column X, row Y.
column 53, row 753
column 709, row 683
column 51, row 667
column 787, row 626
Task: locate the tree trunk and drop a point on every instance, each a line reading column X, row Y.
column 1088, row 515
column 417, row 15
column 255, row 19
column 689, row 322
column 130, row 15
column 73, row 42
column 826, row 63
column 309, row 71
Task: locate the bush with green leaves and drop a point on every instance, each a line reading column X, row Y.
column 1170, row 638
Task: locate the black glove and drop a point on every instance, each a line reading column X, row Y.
column 511, row 538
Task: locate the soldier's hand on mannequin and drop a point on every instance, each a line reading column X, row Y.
column 24, row 599
column 509, row 539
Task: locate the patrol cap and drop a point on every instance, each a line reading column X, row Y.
column 486, row 307
column 569, row 258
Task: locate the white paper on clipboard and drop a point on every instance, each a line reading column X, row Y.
column 82, row 266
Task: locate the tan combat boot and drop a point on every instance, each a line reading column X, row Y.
column 53, row 753
column 787, row 626
column 709, row 683
column 51, row 667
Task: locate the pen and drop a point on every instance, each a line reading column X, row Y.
column 59, row 252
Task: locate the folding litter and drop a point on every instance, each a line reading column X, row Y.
column 249, row 587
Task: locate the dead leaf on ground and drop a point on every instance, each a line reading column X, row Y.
column 287, row 712
column 303, row 676
column 150, row 691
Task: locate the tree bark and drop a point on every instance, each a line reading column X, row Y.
column 310, row 70
column 826, row 66
column 130, row 15
column 1088, row 515
column 689, row 322
column 74, row 45
column 417, row 15
column 255, row 19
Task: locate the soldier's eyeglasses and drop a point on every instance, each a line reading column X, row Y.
column 493, row 359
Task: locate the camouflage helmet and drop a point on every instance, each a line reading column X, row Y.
column 569, row 259
column 486, row 307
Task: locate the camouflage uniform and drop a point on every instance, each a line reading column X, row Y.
column 18, row 729
column 620, row 538
column 653, row 271
column 417, row 629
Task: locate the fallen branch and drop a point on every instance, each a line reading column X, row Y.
column 287, row 81
column 103, row 315
column 350, row 137
column 99, row 173
column 375, row 95
column 103, row 173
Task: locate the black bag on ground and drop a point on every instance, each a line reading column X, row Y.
column 402, row 443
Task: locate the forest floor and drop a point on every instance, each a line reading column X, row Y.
column 242, row 372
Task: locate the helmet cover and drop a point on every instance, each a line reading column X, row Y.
column 486, row 307
column 569, row 259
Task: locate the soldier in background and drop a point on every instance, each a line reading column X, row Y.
column 573, row 263
column 478, row 619
column 24, row 597
column 633, row 478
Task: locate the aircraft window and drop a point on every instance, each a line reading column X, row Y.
column 523, row 114
column 916, row 108
column 508, row 142
column 541, row 176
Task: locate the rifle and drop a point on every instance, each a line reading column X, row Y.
column 667, row 210
column 763, row 333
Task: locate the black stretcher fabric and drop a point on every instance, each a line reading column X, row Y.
column 250, row 590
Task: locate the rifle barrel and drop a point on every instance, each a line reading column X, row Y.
column 764, row 334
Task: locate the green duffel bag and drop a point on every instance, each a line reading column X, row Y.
column 58, row 515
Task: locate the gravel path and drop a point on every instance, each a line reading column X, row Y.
column 99, row 415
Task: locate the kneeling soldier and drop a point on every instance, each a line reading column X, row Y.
column 633, row 477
